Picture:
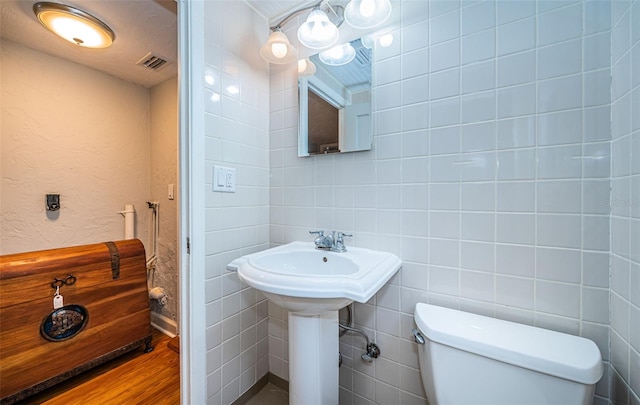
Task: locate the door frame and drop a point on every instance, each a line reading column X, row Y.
column 193, row 366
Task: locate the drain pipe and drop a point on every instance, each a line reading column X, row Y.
column 157, row 293
column 154, row 237
column 373, row 351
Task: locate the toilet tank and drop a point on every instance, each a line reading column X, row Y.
column 473, row 359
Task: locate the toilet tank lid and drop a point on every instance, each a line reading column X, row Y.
column 559, row 354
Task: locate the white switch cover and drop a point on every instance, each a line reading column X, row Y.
column 170, row 191
column 224, row 179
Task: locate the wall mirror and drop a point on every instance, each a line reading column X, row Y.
column 334, row 101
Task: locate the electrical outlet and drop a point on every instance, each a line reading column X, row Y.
column 224, row 179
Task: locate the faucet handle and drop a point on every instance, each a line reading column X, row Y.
column 319, row 233
column 341, row 234
column 339, row 242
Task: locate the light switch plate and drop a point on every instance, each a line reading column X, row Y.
column 224, row 179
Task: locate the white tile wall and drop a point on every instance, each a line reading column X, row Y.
column 489, row 177
column 624, row 202
column 236, row 135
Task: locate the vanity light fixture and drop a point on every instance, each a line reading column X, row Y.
column 338, row 55
column 306, row 68
column 365, row 14
column 278, row 49
column 74, row 25
column 320, row 30
column 317, row 32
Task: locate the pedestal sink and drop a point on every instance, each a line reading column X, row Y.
column 313, row 285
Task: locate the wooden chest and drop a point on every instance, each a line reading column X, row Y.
column 105, row 314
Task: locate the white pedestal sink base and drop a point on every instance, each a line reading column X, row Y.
column 313, row 359
column 313, row 285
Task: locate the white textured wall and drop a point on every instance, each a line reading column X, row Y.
column 74, row 131
column 625, row 203
column 237, row 136
column 489, row 178
column 164, row 171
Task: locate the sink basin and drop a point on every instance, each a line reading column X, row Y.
column 306, row 263
column 313, row 285
column 302, row 279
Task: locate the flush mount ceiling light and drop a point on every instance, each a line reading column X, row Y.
column 364, row 14
column 75, row 26
column 278, row 49
column 338, row 55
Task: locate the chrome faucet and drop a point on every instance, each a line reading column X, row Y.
column 333, row 242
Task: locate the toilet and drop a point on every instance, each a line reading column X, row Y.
column 471, row 359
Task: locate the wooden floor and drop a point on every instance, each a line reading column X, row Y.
column 133, row 378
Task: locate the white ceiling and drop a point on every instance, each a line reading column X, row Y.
column 274, row 11
column 140, row 26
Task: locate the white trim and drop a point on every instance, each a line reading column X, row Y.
column 327, row 93
column 193, row 367
column 303, row 117
column 164, row 324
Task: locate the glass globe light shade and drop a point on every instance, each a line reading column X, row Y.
column 364, row 14
column 318, row 32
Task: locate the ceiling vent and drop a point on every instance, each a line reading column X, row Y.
column 153, row 62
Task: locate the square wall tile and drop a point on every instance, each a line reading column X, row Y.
column 516, row 196
column 445, row 55
column 444, row 27
column 560, row 230
column 478, row 77
column 478, row 17
column 564, row 196
column 516, row 69
column 444, row 252
column 515, row 228
column 558, row 299
column 560, row 25
column 515, row 260
column 558, row 264
column 517, row 36
column 564, row 127
column 560, row 93
column 478, row 47
column 560, row 59
column 515, row 291
column 560, row 162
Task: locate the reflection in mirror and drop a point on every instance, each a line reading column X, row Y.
column 335, row 101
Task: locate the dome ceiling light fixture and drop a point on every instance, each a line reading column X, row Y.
column 74, row 25
column 320, row 30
